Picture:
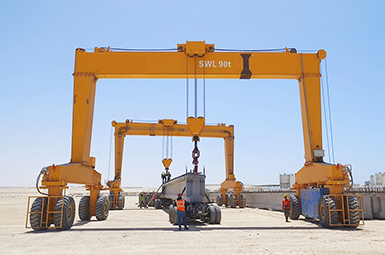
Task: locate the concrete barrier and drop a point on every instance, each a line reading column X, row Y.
column 367, row 206
column 373, row 203
column 378, row 205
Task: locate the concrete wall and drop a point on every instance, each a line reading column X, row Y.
column 373, row 203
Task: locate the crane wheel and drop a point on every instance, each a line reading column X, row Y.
column 227, row 202
column 102, row 208
column 212, row 214
column 242, row 201
column 172, row 215
column 354, row 216
column 84, row 208
column 233, row 201
column 38, row 215
column 158, row 204
column 121, row 202
column 219, row 200
column 295, row 207
column 65, row 219
column 218, row 215
column 324, row 210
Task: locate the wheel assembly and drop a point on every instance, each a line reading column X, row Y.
column 354, row 216
column 218, row 214
column 102, row 208
column 295, row 207
column 84, row 208
column 242, row 201
column 121, row 202
column 219, row 200
column 327, row 218
column 212, row 215
column 66, row 206
column 38, row 214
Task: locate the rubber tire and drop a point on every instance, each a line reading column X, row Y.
column 227, row 202
column 295, row 207
column 233, row 201
column 172, row 215
column 219, row 200
column 218, row 215
column 212, row 215
column 84, row 208
column 354, row 216
column 121, row 202
column 66, row 218
column 323, row 211
column 242, row 201
column 158, row 204
column 35, row 218
column 102, row 208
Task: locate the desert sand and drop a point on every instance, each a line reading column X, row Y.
column 148, row 231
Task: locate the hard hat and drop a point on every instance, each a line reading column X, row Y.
column 285, row 195
column 179, row 195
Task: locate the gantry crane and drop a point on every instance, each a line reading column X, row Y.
column 325, row 182
column 195, row 128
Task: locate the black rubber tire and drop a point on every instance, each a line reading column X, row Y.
column 242, row 201
column 233, row 202
column 354, row 216
column 121, row 202
column 323, row 211
column 170, row 213
column 35, row 219
column 84, row 208
column 295, row 207
column 218, row 215
column 212, row 215
column 102, row 208
column 227, row 202
column 158, row 204
column 219, row 200
column 111, row 202
column 66, row 218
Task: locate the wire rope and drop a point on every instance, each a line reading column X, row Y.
column 330, row 113
column 325, row 114
column 109, row 156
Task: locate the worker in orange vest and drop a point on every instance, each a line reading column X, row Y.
column 181, row 211
column 286, row 207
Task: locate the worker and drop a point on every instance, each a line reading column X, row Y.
column 168, row 174
column 141, row 200
column 163, row 175
column 286, row 207
column 181, row 211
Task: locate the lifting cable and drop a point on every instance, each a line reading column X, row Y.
column 109, row 155
column 325, row 114
column 329, row 109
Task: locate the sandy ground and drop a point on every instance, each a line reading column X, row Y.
column 147, row 231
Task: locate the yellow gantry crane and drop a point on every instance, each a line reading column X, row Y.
column 202, row 61
column 195, row 127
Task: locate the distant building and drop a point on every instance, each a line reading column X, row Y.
column 380, row 179
column 286, row 181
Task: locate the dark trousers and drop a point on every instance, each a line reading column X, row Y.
column 287, row 213
column 181, row 216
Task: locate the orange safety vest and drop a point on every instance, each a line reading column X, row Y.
column 286, row 204
column 180, row 205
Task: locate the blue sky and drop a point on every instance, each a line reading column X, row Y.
column 38, row 42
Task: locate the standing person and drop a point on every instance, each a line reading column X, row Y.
column 286, row 207
column 181, row 211
column 163, row 175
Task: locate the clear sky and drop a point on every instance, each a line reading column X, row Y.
column 38, row 41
